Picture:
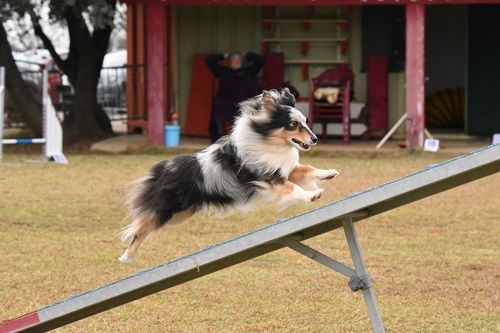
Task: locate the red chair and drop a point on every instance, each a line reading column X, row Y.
column 324, row 112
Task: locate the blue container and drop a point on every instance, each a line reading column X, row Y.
column 172, row 135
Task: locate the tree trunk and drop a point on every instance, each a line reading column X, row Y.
column 82, row 66
column 87, row 119
column 23, row 98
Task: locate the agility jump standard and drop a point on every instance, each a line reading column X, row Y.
column 52, row 130
column 283, row 233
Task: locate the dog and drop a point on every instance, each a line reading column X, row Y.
column 258, row 160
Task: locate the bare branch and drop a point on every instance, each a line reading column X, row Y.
column 47, row 43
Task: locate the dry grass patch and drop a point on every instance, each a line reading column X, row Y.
column 436, row 262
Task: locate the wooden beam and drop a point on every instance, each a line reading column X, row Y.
column 156, row 28
column 140, row 49
column 415, row 80
column 131, row 83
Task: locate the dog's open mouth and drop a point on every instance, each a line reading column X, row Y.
column 301, row 144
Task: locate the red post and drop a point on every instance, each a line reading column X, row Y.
column 415, row 80
column 156, row 27
column 131, row 108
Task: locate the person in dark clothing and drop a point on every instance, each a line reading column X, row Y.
column 236, row 84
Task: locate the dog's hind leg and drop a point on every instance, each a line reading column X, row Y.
column 135, row 233
column 140, row 228
column 180, row 217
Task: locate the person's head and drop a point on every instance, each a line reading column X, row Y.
column 235, row 60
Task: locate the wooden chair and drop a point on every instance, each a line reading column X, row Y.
column 324, row 112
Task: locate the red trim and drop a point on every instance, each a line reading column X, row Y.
column 309, row 2
column 24, row 321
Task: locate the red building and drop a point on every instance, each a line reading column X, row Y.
column 160, row 36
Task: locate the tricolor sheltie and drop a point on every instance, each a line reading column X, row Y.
column 259, row 159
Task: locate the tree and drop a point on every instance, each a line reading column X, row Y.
column 22, row 96
column 89, row 24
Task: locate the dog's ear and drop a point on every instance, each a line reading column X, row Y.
column 287, row 98
column 268, row 103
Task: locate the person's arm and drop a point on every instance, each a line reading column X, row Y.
column 212, row 62
column 256, row 62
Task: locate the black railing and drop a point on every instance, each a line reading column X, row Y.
column 111, row 89
column 112, row 92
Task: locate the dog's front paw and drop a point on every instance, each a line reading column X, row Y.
column 322, row 175
column 314, row 195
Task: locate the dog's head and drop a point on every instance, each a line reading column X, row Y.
column 274, row 117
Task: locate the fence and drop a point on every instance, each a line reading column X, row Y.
column 111, row 91
column 112, row 96
column 121, row 93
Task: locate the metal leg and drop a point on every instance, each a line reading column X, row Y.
column 362, row 281
column 319, row 257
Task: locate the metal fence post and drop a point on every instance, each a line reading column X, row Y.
column 361, row 271
column 2, row 105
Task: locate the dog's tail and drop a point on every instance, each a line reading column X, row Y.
column 144, row 219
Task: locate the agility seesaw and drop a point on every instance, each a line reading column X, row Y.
column 284, row 233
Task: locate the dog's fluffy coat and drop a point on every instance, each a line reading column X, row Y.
column 259, row 159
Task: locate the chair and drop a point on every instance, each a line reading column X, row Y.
column 324, row 112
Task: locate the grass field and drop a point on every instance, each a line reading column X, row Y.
column 436, row 262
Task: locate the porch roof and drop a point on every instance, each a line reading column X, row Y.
column 309, row 2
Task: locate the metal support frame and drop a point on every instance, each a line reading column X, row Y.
column 359, row 279
column 362, row 274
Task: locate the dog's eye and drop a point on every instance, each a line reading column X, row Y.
column 292, row 126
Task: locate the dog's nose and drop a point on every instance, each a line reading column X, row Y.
column 314, row 140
